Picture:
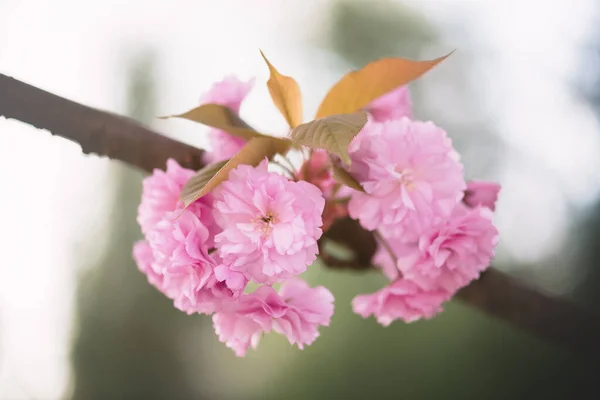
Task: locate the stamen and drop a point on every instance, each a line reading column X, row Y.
column 265, row 222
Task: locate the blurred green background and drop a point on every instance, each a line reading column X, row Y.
column 123, row 340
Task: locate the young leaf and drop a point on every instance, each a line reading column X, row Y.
column 344, row 177
column 286, row 95
column 219, row 117
column 199, row 181
column 358, row 88
column 212, row 175
column 333, row 133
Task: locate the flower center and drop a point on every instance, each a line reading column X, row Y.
column 265, row 223
column 267, row 219
column 405, row 177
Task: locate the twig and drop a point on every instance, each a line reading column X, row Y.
column 289, row 163
column 387, row 248
column 284, row 167
column 495, row 293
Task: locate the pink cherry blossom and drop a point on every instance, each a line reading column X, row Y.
column 223, row 146
column 237, row 331
column 235, row 281
column 144, row 258
column 270, row 224
column 410, row 173
column 482, row 193
column 160, row 194
column 229, row 92
column 317, row 170
column 402, row 299
column 392, row 105
column 307, row 309
column 453, row 253
column 297, row 312
column 181, row 244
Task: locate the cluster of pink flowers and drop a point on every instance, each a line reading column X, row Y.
column 260, row 229
column 257, row 227
column 435, row 231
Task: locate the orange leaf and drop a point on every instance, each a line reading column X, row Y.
column 212, row 175
column 333, row 133
column 359, row 88
column 286, row 95
column 219, row 117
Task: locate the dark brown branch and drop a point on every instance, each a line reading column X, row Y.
column 497, row 294
column 550, row 317
column 98, row 132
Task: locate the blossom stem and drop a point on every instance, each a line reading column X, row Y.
column 285, row 168
column 289, row 162
column 342, row 200
column 388, row 248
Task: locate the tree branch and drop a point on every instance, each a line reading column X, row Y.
column 552, row 318
column 98, row 132
column 495, row 293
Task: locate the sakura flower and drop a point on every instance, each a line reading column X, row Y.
column 144, row 258
column 270, row 225
column 237, row 331
column 453, row 253
column 235, row 281
column 181, row 243
column 482, row 193
column 307, row 309
column 410, row 172
column 400, row 300
column 297, row 312
column 392, row 105
column 223, row 146
column 229, row 92
column 160, row 194
column 317, row 170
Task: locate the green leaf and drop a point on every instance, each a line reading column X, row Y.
column 333, row 133
column 344, row 177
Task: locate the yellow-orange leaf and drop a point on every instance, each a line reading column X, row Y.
column 219, row 117
column 212, row 175
column 359, row 88
column 344, row 177
column 286, row 95
column 333, row 133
